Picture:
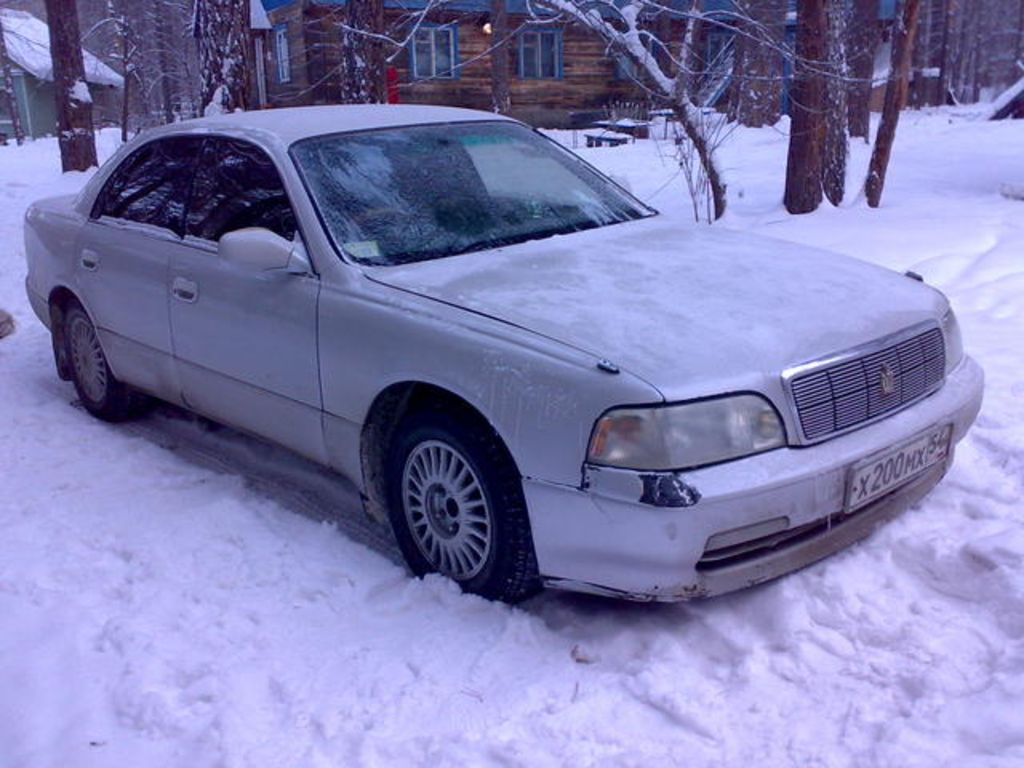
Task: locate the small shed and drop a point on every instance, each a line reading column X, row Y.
column 28, row 47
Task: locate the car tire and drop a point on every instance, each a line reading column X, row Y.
column 456, row 505
column 99, row 391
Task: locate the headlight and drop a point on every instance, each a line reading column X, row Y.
column 954, row 342
column 687, row 435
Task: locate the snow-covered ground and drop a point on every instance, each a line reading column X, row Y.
column 175, row 594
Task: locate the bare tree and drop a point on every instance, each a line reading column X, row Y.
column 8, row 97
column 895, row 97
column 805, row 160
column 74, row 104
column 363, row 39
column 662, row 64
column 759, row 61
column 501, row 94
column 221, row 28
column 125, row 56
column 862, row 37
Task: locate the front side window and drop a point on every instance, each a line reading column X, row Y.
column 425, row 192
column 434, row 52
column 284, row 62
column 237, row 186
column 151, row 186
column 540, row 54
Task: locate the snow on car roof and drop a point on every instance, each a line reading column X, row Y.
column 294, row 123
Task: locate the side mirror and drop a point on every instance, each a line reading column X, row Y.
column 263, row 250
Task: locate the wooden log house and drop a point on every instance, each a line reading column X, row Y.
column 555, row 69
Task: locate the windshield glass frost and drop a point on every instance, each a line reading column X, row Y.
column 409, row 194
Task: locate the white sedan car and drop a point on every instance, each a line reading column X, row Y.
column 534, row 377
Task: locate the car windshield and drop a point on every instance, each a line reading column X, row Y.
column 424, row 192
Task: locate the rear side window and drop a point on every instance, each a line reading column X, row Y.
column 151, row 186
column 237, row 186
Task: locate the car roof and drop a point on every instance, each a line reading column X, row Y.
column 294, row 123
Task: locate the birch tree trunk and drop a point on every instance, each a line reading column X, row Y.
column 895, row 96
column 501, row 96
column 836, row 144
column 74, row 105
column 222, row 32
column 807, row 111
column 8, row 97
column 364, row 75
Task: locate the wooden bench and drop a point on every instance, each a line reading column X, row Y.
column 605, row 140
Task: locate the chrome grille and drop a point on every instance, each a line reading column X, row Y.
column 850, row 393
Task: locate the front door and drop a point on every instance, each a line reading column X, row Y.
column 245, row 341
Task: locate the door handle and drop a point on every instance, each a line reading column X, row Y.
column 90, row 260
column 185, row 290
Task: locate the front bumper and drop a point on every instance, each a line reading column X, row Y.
column 787, row 505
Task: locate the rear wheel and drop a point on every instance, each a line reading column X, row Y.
column 100, row 392
column 456, row 505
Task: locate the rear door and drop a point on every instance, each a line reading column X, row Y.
column 137, row 223
column 245, row 340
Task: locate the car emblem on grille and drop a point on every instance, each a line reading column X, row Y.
column 887, row 378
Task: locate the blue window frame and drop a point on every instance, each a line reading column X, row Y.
column 434, row 52
column 540, row 54
column 281, row 54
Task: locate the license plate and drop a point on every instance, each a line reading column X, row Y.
column 880, row 474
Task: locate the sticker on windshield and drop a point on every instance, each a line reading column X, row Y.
column 362, row 249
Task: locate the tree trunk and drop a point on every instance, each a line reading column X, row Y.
column 861, row 43
column 123, row 33
column 501, row 95
column 738, row 81
column 222, row 31
column 1019, row 53
column 895, row 96
column 699, row 139
column 8, row 97
column 126, row 89
column 948, row 10
column 834, row 172
column 163, row 36
column 74, row 105
column 759, row 85
column 364, row 75
column 807, row 95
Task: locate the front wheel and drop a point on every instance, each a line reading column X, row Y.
column 456, row 505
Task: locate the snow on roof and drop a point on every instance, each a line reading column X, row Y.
column 296, row 123
column 258, row 18
column 28, row 46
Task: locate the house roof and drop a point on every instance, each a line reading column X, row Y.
column 258, row 16
column 28, row 46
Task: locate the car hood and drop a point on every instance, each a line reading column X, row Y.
column 693, row 311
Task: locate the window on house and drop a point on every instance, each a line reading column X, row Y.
column 540, row 54
column 284, row 62
column 434, row 52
